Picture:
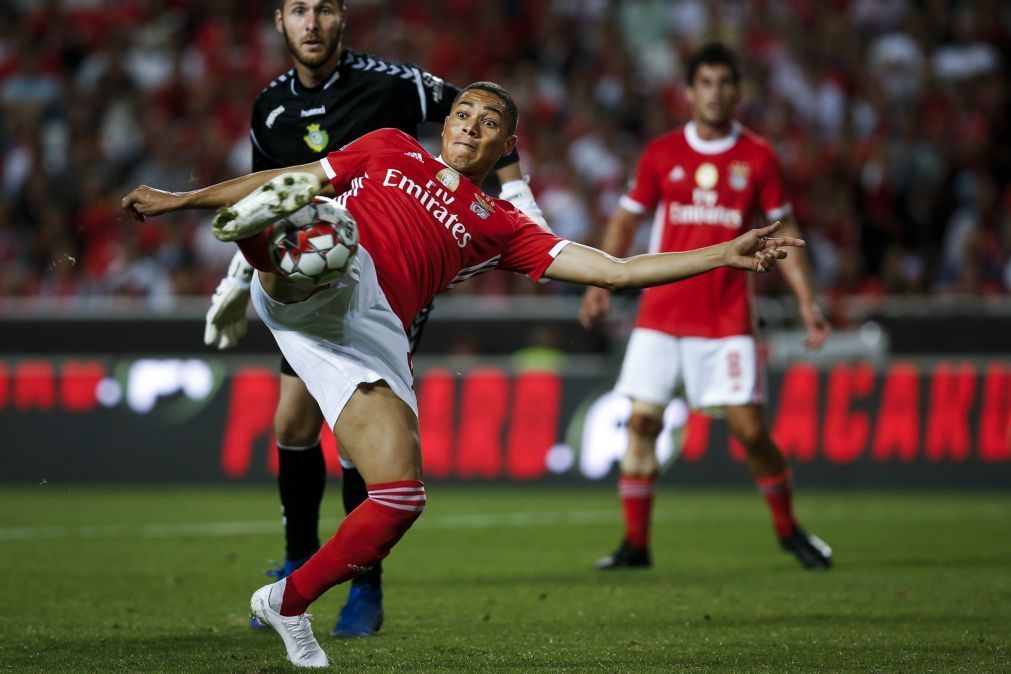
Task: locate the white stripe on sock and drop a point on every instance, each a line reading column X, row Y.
column 399, row 506
column 402, row 498
column 398, row 490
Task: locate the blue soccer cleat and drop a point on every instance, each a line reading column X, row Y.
column 277, row 573
column 362, row 615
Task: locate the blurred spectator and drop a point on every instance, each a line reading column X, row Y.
column 891, row 117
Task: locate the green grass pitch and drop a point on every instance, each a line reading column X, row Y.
column 494, row 579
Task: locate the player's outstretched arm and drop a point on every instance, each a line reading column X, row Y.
column 143, row 200
column 755, row 251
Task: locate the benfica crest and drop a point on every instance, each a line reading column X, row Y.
column 739, row 173
column 317, row 138
column 482, row 208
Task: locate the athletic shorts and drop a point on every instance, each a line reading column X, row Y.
column 413, row 337
column 712, row 372
column 341, row 337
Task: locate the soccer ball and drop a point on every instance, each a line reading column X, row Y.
column 315, row 244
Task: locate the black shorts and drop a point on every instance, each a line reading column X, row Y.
column 286, row 367
column 413, row 337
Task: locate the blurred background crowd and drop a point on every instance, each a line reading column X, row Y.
column 891, row 117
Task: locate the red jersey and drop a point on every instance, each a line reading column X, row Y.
column 703, row 193
column 427, row 227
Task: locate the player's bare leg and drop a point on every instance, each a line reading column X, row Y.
column 644, row 426
column 772, row 475
column 636, row 484
column 747, row 424
column 379, row 432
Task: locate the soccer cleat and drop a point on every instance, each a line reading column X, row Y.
column 362, row 614
column 626, row 557
column 280, row 572
column 268, row 203
column 296, row 631
column 810, row 551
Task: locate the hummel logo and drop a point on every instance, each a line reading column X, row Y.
column 312, row 112
column 415, row 155
column 677, row 173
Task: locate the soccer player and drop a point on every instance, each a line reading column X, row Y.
column 330, row 97
column 706, row 183
column 424, row 224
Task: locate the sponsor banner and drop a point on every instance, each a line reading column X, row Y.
column 204, row 420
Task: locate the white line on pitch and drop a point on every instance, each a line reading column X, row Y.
column 274, row 526
column 487, row 520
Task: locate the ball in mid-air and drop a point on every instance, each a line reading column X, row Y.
column 315, row 244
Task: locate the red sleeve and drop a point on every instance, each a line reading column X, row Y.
column 532, row 249
column 772, row 192
column 349, row 161
column 644, row 193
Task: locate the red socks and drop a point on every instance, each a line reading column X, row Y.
column 778, row 492
column 636, row 495
column 363, row 538
column 637, row 503
column 256, row 250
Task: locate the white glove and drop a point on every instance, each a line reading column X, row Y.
column 519, row 194
column 226, row 319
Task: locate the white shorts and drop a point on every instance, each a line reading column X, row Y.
column 341, row 337
column 714, row 372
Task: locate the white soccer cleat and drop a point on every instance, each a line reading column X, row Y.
column 296, row 631
column 265, row 205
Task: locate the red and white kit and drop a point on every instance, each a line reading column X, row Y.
column 423, row 228
column 700, row 331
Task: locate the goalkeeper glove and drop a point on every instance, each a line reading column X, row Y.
column 519, row 194
column 226, row 319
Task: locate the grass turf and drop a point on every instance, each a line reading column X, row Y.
column 502, row 580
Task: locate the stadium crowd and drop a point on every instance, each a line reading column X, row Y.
column 891, row 117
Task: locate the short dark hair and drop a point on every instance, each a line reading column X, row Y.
column 512, row 112
column 714, row 53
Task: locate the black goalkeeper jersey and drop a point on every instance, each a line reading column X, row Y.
column 295, row 125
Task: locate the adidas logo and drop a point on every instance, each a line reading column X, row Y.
column 415, row 155
column 677, row 173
